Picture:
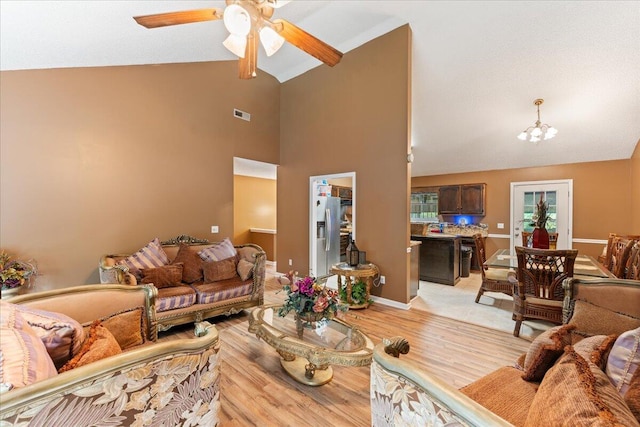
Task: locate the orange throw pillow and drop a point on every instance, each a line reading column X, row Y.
column 99, row 345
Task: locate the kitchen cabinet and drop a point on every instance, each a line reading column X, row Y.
column 465, row 199
column 439, row 258
column 342, row 192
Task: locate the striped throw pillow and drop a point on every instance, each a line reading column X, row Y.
column 218, row 251
column 151, row 256
column 23, row 357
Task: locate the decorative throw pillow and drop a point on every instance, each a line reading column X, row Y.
column 23, row 357
column 624, row 359
column 151, row 256
column 248, row 253
column 100, row 344
column 215, row 271
column 218, row 251
column 245, row 269
column 632, row 397
column 192, row 264
column 61, row 335
column 591, row 319
column 544, row 351
column 575, row 392
column 595, row 349
column 163, row 277
column 128, row 327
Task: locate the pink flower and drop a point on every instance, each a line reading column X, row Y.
column 321, row 304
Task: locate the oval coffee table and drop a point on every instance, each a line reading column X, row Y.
column 323, row 343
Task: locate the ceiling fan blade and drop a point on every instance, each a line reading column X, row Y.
column 305, row 41
column 247, row 65
column 176, row 18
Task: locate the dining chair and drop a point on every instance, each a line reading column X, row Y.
column 538, row 293
column 619, row 255
column 527, row 240
column 605, row 259
column 493, row 279
column 633, row 266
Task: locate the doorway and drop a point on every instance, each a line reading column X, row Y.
column 331, row 219
column 559, row 196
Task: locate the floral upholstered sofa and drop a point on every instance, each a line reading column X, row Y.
column 584, row 372
column 196, row 279
column 87, row 355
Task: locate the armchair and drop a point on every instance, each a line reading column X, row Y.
column 539, row 293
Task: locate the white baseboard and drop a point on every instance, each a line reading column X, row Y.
column 390, row 303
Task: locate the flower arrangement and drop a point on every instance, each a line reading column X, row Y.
column 14, row 274
column 540, row 218
column 306, row 296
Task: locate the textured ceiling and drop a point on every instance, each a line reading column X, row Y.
column 477, row 66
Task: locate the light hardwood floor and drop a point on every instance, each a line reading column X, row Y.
column 255, row 390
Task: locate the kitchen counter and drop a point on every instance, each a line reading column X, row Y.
column 439, row 258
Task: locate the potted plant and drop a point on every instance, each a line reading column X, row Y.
column 14, row 274
column 311, row 301
column 358, row 293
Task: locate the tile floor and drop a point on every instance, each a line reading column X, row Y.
column 458, row 302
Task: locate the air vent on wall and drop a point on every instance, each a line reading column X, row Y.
column 241, row 115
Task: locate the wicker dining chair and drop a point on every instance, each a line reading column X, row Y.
column 633, row 265
column 605, row 258
column 539, row 293
column 619, row 255
column 493, row 279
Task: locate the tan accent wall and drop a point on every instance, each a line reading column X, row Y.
column 254, row 205
column 98, row 160
column 635, row 189
column 352, row 117
column 602, row 199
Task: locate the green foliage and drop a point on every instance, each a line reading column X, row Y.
column 358, row 293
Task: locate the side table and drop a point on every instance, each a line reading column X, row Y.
column 364, row 272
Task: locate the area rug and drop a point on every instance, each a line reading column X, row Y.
column 494, row 310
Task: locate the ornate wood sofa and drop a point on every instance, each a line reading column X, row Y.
column 169, row 383
column 403, row 393
column 195, row 301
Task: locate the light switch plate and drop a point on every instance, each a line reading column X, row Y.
column 215, row 229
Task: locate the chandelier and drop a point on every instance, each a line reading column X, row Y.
column 539, row 130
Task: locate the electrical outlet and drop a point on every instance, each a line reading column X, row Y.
column 501, row 225
column 290, row 262
column 214, row 229
column 382, row 279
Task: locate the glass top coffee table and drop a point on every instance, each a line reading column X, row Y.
column 307, row 359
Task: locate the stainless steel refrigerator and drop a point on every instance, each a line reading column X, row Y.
column 328, row 234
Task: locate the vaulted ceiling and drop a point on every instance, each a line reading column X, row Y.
column 477, row 66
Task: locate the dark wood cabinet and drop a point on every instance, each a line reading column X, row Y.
column 439, row 259
column 342, row 192
column 466, row 199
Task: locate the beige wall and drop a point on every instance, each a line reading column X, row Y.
column 254, row 205
column 600, row 204
column 97, row 160
column 353, row 117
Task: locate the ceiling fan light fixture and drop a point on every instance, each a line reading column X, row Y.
column 236, row 44
column 271, row 40
column 237, row 20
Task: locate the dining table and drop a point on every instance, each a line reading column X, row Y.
column 585, row 266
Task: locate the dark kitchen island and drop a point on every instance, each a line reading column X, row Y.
column 439, row 258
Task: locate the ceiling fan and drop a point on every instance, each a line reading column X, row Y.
column 247, row 21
